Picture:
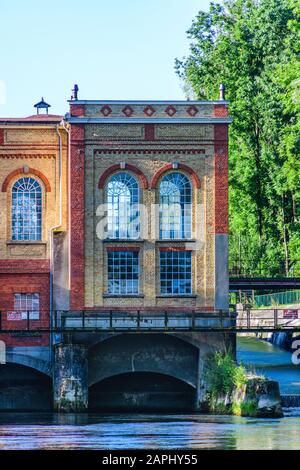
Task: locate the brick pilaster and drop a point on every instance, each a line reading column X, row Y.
column 77, row 217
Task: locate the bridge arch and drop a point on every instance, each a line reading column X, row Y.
column 148, row 353
column 24, row 388
column 29, row 361
column 141, row 391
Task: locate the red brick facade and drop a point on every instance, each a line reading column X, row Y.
column 77, row 111
column 21, row 281
column 77, row 217
column 221, row 178
column 220, row 110
column 149, row 132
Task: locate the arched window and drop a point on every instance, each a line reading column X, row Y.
column 175, row 206
column 122, row 206
column 26, row 210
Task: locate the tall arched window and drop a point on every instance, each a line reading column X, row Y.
column 175, row 206
column 122, row 206
column 26, row 210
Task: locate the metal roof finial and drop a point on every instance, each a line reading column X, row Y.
column 75, row 92
column 222, row 92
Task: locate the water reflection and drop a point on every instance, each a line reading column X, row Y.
column 52, row 431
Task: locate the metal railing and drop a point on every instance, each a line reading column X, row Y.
column 278, row 298
column 275, row 319
column 140, row 321
column 87, row 320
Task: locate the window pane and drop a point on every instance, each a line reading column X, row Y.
column 122, row 205
column 123, row 272
column 175, row 206
column 26, row 210
column 27, row 302
column 176, row 272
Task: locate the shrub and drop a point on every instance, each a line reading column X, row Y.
column 224, row 375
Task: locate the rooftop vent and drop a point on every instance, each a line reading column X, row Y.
column 42, row 105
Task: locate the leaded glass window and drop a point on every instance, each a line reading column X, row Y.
column 176, row 272
column 123, row 272
column 26, row 210
column 122, row 206
column 175, row 206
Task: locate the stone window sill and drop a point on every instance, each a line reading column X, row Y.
column 176, row 296
column 26, row 242
column 123, row 240
column 176, row 240
column 121, row 296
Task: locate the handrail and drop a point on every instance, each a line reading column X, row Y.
column 17, row 322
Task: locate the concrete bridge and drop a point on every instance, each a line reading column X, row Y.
column 109, row 371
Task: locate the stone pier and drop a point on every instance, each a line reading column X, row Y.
column 70, row 378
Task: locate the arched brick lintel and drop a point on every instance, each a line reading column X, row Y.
column 180, row 166
column 25, row 172
column 112, row 169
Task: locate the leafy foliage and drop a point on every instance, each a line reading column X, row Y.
column 253, row 47
column 224, row 375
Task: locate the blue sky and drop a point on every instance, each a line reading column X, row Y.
column 113, row 49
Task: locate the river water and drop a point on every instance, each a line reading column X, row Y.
column 184, row 431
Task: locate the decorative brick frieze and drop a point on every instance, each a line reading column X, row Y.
column 192, row 111
column 127, row 111
column 23, row 136
column 170, row 111
column 159, row 151
column 22, row 156
column 106, row 110
column 149, row 111
column 184, row 132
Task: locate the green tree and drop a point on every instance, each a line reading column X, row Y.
column 253, row 47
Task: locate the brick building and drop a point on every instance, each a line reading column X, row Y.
column 117, row 207
column 148, row 205
column 33, row 208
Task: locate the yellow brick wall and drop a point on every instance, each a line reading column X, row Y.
column 96, row 163
column 36, row 148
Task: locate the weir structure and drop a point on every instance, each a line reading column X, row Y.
column 114, row 255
